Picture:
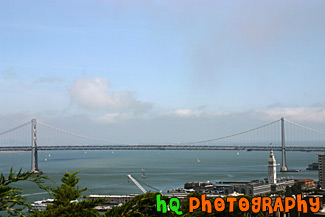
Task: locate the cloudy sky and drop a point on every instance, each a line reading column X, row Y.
column 162, row 70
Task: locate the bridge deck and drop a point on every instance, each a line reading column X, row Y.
column 162, row 147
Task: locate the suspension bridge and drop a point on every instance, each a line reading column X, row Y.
column 285, row 136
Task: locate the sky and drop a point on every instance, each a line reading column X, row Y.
column 162, row 70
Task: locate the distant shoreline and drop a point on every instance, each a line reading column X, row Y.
column 13, row 152
column 18, row 152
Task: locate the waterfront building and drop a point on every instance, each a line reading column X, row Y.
column 113, row 199
column 258, row 187
column 305, row 182
column 202, row 187
column 321, row 170
column 255, row 187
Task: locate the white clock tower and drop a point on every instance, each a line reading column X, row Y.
column 272, row 168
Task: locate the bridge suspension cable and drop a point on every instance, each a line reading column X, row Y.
column 300, row 135
column 48, row 135
column 15, row 128
column 101, row 141
column 229, row 136
column 81, row 136
column 302, row 126
column 65, row 137
column 16, row 136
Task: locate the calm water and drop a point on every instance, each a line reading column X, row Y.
column 105, row 172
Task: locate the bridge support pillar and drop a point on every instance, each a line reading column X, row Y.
column 284, row 162
column 34, row 148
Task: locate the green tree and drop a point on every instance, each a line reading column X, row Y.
column 288, row 191
column 296, row 189
column 65, row 200
column 11, row 200
column 293, row 190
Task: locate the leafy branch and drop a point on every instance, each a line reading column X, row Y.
column 11, row 200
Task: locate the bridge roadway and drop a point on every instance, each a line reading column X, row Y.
column 163, row 147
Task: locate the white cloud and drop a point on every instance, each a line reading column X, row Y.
column 186, row 113
column 185, row 125
column 303, row 114
column 112, row 118
column 96, row 94
column 107, row 118
column 198, row 112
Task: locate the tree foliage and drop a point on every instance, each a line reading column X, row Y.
column 11, row 200
column 293, row 190
column 65, row 200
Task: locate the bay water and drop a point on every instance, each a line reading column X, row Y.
column 105, row 172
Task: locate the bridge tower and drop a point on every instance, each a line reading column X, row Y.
column 284, row 163
column 34, row 148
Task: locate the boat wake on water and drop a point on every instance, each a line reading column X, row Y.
column 26, row 195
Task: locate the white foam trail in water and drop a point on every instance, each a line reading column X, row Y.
column 26, row 195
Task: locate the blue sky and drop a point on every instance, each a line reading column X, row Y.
column 156, row 64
